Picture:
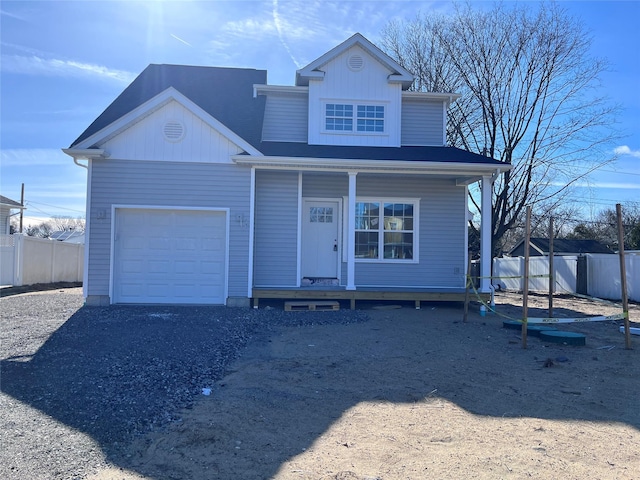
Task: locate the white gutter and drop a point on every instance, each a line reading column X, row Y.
column 85, row 154
column 380, row 166
column 449, row 98
column 262, row 89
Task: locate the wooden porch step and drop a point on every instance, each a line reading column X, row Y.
column 311, row 305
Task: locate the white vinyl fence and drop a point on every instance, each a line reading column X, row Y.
column 511, row 271
column 603, row 275
column 27, row 260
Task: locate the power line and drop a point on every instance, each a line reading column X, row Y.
column 618, row 171
column 54, row 206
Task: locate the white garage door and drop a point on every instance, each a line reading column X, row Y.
column 169, row 256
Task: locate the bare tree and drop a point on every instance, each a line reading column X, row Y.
column 530, row 97
column 46, row 228
column 604, row 227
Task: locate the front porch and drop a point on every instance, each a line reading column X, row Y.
column 417, row 295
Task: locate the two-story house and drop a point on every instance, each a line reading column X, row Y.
column 208, row 186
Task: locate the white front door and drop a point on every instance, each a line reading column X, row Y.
column 320, row 235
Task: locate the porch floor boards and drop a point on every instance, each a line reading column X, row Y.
column 416, row 295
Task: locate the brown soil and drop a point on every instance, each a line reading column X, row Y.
column 414, row 394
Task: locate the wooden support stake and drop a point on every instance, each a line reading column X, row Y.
column 525, row 287
column 466, row 290
column 623, row 279
column 551, row 272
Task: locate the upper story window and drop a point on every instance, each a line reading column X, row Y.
column 339, row 117
column 370, row 118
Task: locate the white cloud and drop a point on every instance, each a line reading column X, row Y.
column 625, row 150
column 31, row 157
column 602, row 184
column 4, row 13
column 38, row 65
column 181, row 40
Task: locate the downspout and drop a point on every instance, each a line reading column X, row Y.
column 75, row 160
column 86, row 154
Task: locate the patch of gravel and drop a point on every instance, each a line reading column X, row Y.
column 78, row 383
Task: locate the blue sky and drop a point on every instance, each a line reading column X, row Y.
column 63, row 62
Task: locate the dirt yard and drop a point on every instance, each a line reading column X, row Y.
column 413, row 394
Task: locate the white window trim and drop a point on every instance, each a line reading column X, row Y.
column 416, row 229
column 354, row 104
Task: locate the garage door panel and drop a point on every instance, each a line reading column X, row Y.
column 213, row 244
column 134, row 267
column 212, row 268
column 187, row 244
column 159, row 244
column 133, row 243
column 132, row 289
column 182, row 266
column 159, row 219
column 164, row 256
column 161, row 267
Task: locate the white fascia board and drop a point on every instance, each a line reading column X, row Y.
column 86, row 153
column 266, row 89
column 12, row 207
column 153, row 104
column 374, row 166
column 400, row 74
column 445, row 97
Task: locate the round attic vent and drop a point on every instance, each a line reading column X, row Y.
column 173, row 131
column 355, row 62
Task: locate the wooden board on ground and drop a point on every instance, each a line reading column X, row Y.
column 311, row 305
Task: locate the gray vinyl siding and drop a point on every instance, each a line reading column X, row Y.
column 323, row 185
column 285, row 118
column 4, row 222
column 442, row 231
column 145, row 183
column 276, row 229
column 422, row 123
column 442, row 228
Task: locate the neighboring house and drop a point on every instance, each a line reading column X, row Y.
column 6, row 205
column 68, row 236
column 540, row 247
column 208, row 186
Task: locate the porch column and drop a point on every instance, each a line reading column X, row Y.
column 252, row 215
column 351, row 232
column 485, row 235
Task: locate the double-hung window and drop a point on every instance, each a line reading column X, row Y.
column 370, row 118
column 339, row 117
column 351, row 117
column 385, row 230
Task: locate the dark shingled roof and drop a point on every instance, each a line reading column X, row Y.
column 224, row 93
column 561, row 246
column 8, row 202
column 432, row 154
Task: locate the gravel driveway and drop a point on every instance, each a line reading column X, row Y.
column 78, row 383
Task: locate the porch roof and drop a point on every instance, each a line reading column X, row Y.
column 465, row 166
column 409, row 153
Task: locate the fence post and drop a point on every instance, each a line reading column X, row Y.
column 52, row 271
column 18, row 259
column 79, row 259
